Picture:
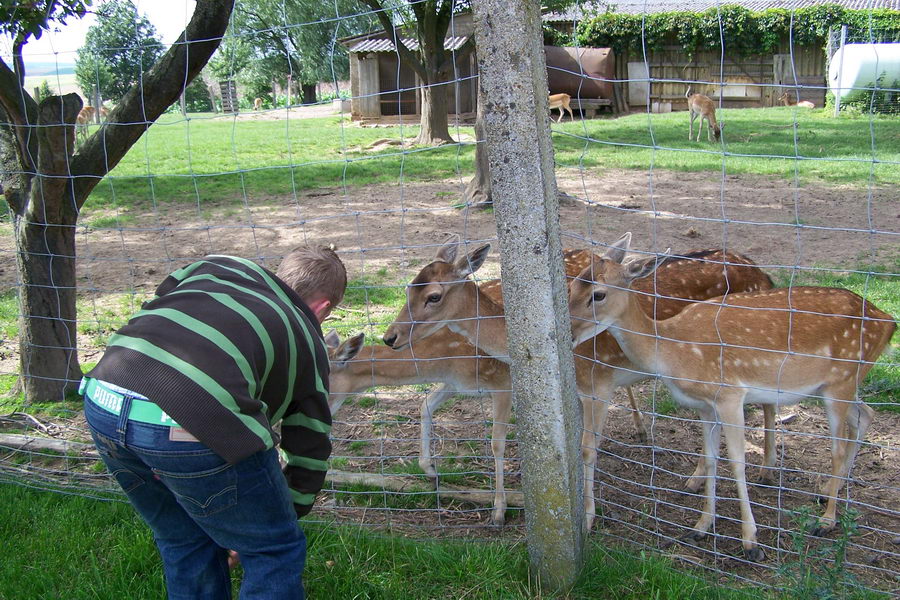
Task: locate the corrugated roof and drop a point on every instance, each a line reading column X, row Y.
column 385, row 45
column 637, row 7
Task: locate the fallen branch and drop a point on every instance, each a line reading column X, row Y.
column 30, row 442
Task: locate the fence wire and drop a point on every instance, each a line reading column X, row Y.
column 809, row 194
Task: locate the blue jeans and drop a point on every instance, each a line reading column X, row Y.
column 198, row 505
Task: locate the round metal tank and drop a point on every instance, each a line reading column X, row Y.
column 856, row 66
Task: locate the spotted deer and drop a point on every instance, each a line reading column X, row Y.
column 787, row 99
column 770, row 347
column 447, row 359
column 561, row 101
column 703, row 107
column 84, row 117
column 442, row 295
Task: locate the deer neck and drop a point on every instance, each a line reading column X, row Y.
column 636, row 333
column 482, row 322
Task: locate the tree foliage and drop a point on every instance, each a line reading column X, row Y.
column 117, row 50
column 296, row 39
column 743, row 31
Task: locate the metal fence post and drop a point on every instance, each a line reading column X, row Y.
column 548, row 415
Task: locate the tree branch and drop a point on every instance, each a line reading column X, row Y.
column 148, row 99
column 21, row 109
column 406, row 55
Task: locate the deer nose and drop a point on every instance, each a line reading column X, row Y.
column 389, row 339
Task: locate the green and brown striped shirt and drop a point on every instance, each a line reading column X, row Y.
column 228, row 350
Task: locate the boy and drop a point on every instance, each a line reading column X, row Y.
column 182, row 407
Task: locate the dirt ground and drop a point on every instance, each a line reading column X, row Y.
column 782, row 227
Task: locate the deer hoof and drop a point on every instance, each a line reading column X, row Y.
column 755, row 554
column 693, row 536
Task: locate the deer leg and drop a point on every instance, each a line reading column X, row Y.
column 636, row 417
column 502, row 409
column 711, row 435
column 731, row 411
column 691, row 127
column 858, row 416
column 767, row 469
column 595, row 411
column 429, row 405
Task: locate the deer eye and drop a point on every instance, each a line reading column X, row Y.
column 599, row 296
column 432, row 299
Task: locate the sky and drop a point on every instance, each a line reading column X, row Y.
column 168, row 17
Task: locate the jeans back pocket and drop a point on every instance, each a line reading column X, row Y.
column 202, row 493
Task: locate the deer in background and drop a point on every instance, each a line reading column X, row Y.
column 773, row 347
column 701, row 106
column 561, row 101
column 787, row 99
column 85, row 116
column 257, row 104
column 442, row 295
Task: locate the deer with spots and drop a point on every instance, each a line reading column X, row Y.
column 772, row 347
column 442, row 295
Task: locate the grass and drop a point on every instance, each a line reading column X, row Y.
column 64, row 546
column 757, row 141
column 207, row 159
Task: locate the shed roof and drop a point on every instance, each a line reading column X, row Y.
column 386, row 45
column 636, row 7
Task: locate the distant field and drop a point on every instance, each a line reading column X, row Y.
column 59, row 83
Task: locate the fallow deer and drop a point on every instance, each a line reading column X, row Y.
column 703, row 107
column 442, row 295
column 84, row 117
column 257, row 104
column 771, row 347
column 787, row 99
column 561, row 101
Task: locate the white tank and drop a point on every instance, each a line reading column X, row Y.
column 856, row 66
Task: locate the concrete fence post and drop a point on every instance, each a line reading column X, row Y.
column 548, row 415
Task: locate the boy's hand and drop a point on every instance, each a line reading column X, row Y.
column 233, row 559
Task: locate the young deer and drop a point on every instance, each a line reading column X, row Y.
column 257, row 104
column 442, row 295
column 787, row 99
column 772, row 347
column 561, row 101
column 701, row 106
column 448, row 359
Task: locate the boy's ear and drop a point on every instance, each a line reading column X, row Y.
column 321, row 307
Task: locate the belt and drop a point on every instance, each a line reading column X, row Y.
column 111, row 400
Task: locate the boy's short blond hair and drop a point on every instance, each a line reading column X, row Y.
column 314, row 272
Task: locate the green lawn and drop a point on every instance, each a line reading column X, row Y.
column 778, row 142
column 217, row 158
column 64, row 546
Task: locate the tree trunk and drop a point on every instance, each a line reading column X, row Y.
column 45, row 254
column 478, row 191
column 435, row 125
column 309, row 93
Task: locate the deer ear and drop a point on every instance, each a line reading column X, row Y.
column 447, row 252
column 332, row 340
column 349, row 349
column 618, row 249
column 643, row 267
column 470, row 263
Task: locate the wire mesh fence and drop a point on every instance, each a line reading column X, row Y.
column 425, row 436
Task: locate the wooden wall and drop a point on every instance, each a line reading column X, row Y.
column 756, row 81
